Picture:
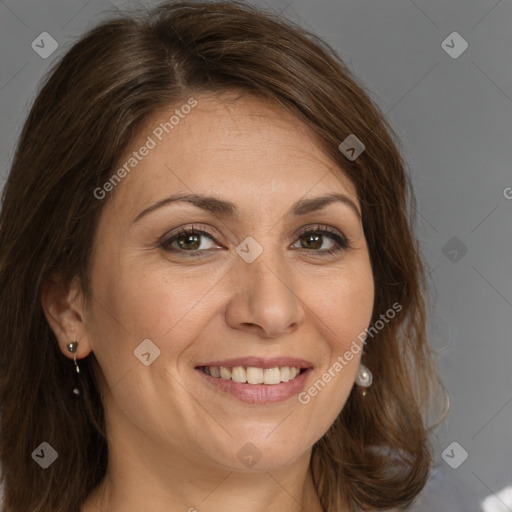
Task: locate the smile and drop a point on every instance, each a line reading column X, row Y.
column 253, row 375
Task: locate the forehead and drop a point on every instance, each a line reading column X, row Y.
column 242, row 145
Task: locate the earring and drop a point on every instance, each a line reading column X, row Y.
column 72, row 347
column 364, row 377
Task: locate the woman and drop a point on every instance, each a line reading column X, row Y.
column 212, row 298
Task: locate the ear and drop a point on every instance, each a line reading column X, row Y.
column 64, row 310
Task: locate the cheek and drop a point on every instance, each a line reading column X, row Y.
column 150, row 304
column 129, row 307
column 343, row 306
column 342, row 310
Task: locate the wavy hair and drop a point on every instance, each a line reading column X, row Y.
column 377, row 454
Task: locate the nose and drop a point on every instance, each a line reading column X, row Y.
column 265, row 298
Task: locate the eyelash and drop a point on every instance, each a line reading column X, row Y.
column 341, row 241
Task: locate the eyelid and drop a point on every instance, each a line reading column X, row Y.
column 186, row 229
column 322, row 227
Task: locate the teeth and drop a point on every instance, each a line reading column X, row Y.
column 272, row 376
column 225, row 373
column 285, row 373
column 214, row 371
column 251, row 375
column 254, row 375
column 238, row 374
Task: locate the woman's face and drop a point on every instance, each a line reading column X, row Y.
column 259, row 288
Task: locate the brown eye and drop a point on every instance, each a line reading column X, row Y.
column 195, row 241
column 188, row 240
column 314, row 239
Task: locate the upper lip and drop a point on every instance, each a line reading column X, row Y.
column 259, row 362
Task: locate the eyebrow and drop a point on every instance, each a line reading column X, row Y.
column 226, row 209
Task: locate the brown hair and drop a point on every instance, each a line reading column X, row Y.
column 377, row 454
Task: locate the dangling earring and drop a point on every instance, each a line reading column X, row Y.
column 72, row 347
column 364, row 378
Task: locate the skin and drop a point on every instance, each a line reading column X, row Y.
column 173, row 440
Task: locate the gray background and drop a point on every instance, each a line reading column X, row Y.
column 454, row 118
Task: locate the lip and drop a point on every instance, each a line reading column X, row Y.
column 260, row 362
column 257, row 393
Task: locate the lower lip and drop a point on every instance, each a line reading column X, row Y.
column 259, row 393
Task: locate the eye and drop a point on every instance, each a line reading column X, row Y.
column 192, row 240
column 187, row 240
column 315, row 238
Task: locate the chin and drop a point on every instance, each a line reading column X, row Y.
column 263, row 452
